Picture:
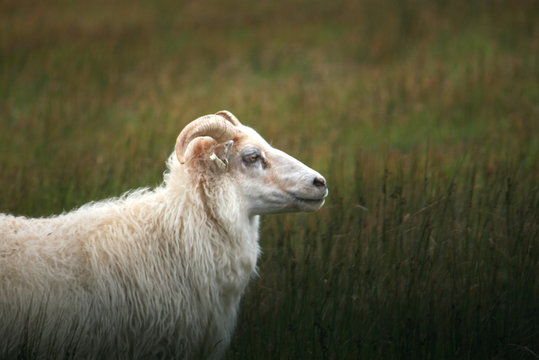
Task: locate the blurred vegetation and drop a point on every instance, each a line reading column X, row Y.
column 423, row 115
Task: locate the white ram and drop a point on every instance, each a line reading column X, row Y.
column 154, row 273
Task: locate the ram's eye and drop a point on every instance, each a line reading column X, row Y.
column 251, row 157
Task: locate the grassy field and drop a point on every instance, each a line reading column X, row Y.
column 422, row 115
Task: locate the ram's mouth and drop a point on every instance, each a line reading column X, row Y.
column 309, row 201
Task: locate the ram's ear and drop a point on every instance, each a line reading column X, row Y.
column 221, row 155
column 223, row 150
column 198, row 150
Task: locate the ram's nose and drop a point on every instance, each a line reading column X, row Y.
column 319, row 182
column 321, row 186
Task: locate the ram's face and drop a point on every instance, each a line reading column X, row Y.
column 268, row 180
column 271, row 181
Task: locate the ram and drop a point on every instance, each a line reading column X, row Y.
column 156, row 273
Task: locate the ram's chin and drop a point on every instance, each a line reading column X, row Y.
column 308, row 205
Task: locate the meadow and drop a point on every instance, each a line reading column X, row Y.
column 422, row 115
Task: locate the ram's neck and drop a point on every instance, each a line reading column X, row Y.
column 210, row 210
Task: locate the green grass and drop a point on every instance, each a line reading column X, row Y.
column 422, row 115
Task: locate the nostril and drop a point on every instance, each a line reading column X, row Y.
column 319, row 182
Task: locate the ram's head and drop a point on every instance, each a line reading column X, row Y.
column 270, row 181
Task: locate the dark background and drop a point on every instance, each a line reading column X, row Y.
column 422, row 115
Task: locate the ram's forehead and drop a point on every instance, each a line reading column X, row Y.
column 248, row 135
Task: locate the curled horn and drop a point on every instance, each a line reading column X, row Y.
column 218, row 127
column 229, row 116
